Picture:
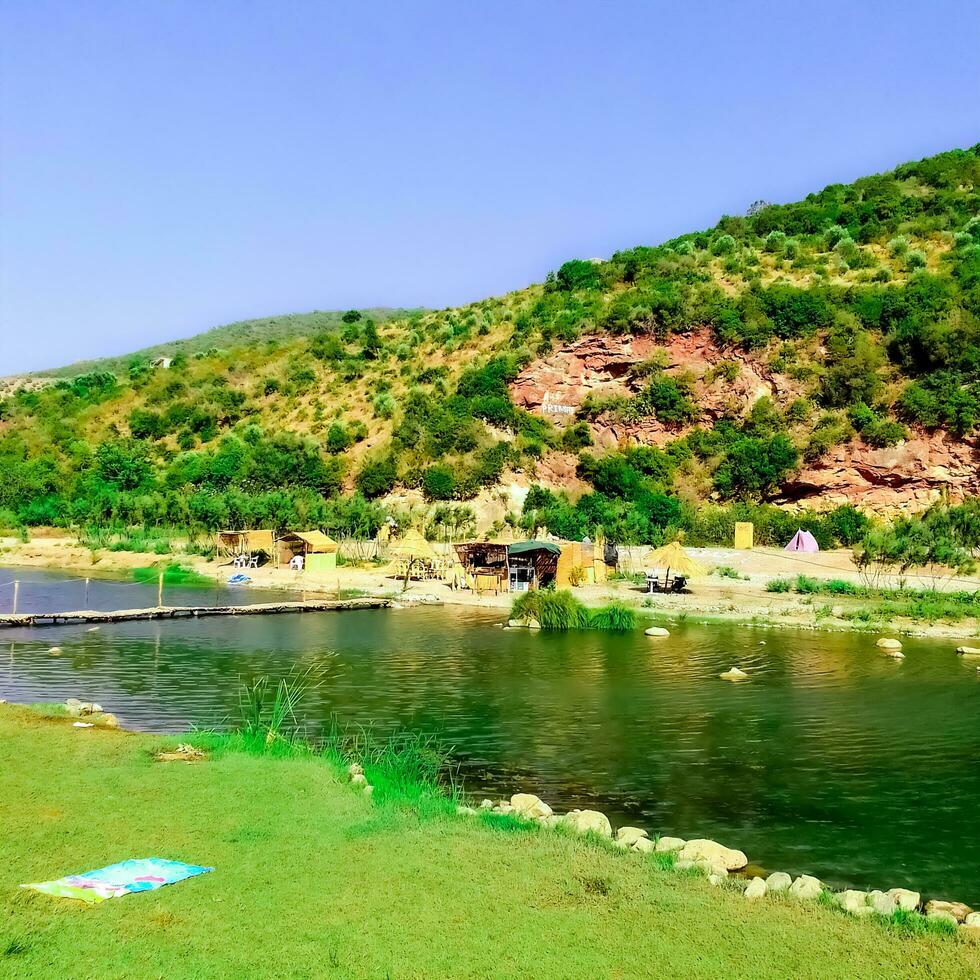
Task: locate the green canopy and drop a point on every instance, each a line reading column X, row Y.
column 524, row 547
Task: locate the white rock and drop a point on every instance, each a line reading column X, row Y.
column 74, row 707
column 503, row 808
column 530, row 806
column 358, row 779
column 778, row 881
column 630, row 835
column 756, row 888
column 486, row 804
column 806, row 887
column 656, row 631
column 855, row 902
column 895, row 654
column 972, row 920
column 716, row 880
column 54, row 651
column 968, row 651
column 887, row 643
column 905, row 899
column 109, row 720
column 516, row 624
column 709, row 850
column 882, row 903
column 642, row 844
column 355, row 769
column 665, row 844
column 734, row 674
column 943, row 917
column 465, row 811
column 83, row 724
column 533, row 624
column 96, row 708
column 368, row 790
column 683, row 865
column 549, row 822
column 588, row 821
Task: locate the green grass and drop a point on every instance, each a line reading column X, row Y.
column 173, row 574
column 561, row 611
column 314, row 879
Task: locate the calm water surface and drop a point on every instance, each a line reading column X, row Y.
column 833, row 759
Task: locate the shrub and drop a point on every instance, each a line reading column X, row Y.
column 377, row 476
column 779, row 585
column 559, row 611
column 578, row 274
column 915, row 259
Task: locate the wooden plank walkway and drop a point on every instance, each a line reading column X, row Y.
column 188, row 612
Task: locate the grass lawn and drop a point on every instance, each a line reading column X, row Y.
column 314, row 880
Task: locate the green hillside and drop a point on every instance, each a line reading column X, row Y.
column 239, row 334
column 863, row 298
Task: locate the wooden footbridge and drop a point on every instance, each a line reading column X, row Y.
column 187, row 612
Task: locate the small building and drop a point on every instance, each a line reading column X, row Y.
column 532, row 564
column 484, row 564
column 318, row 550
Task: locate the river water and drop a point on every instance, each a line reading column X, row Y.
column 833, row 759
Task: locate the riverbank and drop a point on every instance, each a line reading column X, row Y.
column 738, row 591
column 316, row 876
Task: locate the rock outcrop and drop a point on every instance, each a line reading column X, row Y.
column 900, row 479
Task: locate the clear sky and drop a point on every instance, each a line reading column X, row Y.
column 169, row 165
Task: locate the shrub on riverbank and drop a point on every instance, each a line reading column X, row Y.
column 561, row 611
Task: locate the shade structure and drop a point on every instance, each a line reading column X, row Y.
column 803, row 541
column 674, row 558
column 413, row 545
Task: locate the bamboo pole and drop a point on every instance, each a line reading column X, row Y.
column 16, row 590
column 160, row 590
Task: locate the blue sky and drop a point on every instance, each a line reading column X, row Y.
column 169, row 166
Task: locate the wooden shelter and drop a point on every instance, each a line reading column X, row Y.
column 318, row 550
column 234, row 544
column 532, row 564
column 484, row 564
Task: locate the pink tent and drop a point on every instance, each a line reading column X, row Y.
column 803, row 541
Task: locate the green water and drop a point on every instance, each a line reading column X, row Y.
column 833, row 759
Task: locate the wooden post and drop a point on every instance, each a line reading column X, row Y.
column 16, row 590
column 160, row 590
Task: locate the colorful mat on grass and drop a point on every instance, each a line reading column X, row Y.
column 137, row 875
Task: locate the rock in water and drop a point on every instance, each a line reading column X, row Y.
column 853, row 901
column 530, row 806
column 778, row 881
column 734, row 674
column 887, row 643
column 533, row 624
column 656, row 631
column 968, row 651
column 806, row 888
column 709, row 850
column 756, row 888
column 588, row 821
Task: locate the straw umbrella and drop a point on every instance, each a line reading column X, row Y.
column 673, row 556
column 413, row 549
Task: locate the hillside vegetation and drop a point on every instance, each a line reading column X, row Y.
column 865, row 295
column 239, row 334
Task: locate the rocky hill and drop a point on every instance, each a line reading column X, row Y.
column 818, row 354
